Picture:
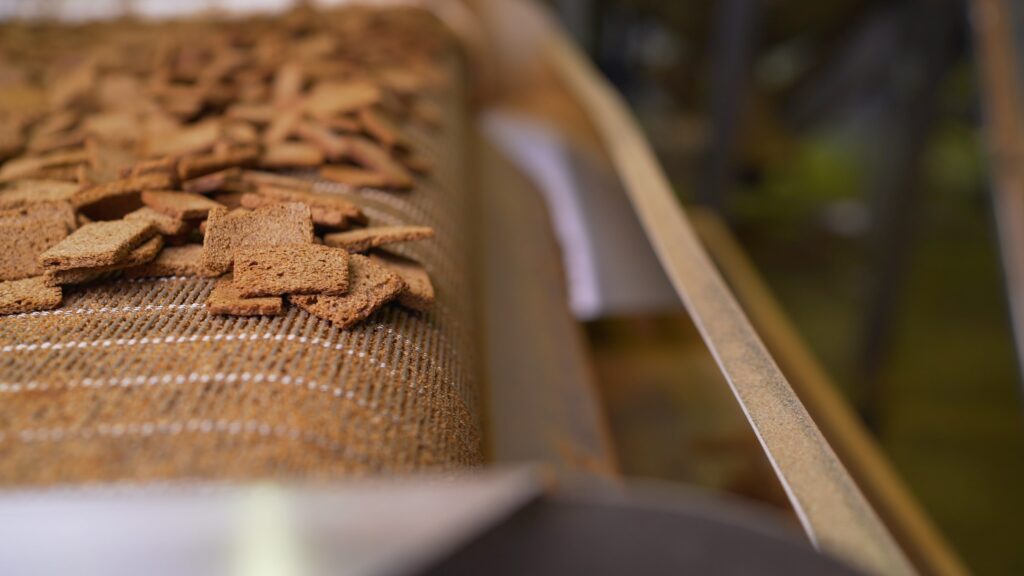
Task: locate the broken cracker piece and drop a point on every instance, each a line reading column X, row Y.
column 181, row 205
column 370, row 287
column 172, row 261
column 166, row 225
column 418, row 293
column 225, row 299
column 365, row 238
column 28, row 295
column 295, row 269
column 274, row 225
column 98, row 244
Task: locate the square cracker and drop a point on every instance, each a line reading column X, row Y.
column 275, row 225
column 418, row 293
column 370, row 287
column 98, row 244
column 225, row 299
column 365, row 238
column 28, row 295
column 294, row 269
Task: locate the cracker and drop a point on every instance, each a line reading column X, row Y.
column 195, row 138
column 181, row 205
column 321, row 216
column 166, row 225
column 291, row 155
column 54, row 142
column 327, row 209
column 418, row 293
column 418, row 164
column 254, row 113
column 26, row 166
column 201, row 164
column 233, row 211
column 59, row 211
column 172, row 261
column 229, row 200
column 98, row 244
column 146, row 252
column 330, row 144
column 282, row 126
column 380, row 128
column 107, row 161
column 228, row 180
column 294, row 269
column 354, row 177
column 25, row 234
column 427, row 113
column 370, row 287
column 166, row 165
column 129, row 186
column 257, row 178
column 225, row 299
column 372, row 156
column 332, row 98
column 342, row 124
column 365, row 238
column 288, row 83
column 24, row 192
column 275, row 225
column 28, row 295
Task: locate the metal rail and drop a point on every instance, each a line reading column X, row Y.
column 835, row 514
column 926, row 547
column 994, row 23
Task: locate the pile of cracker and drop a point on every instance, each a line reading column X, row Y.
column 133, row 150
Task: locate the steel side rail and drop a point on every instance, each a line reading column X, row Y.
column 923, row 543
column 834, row 513
column 1003, row 105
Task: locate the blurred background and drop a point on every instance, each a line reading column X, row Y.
column 833, row 159
column 841, row 143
